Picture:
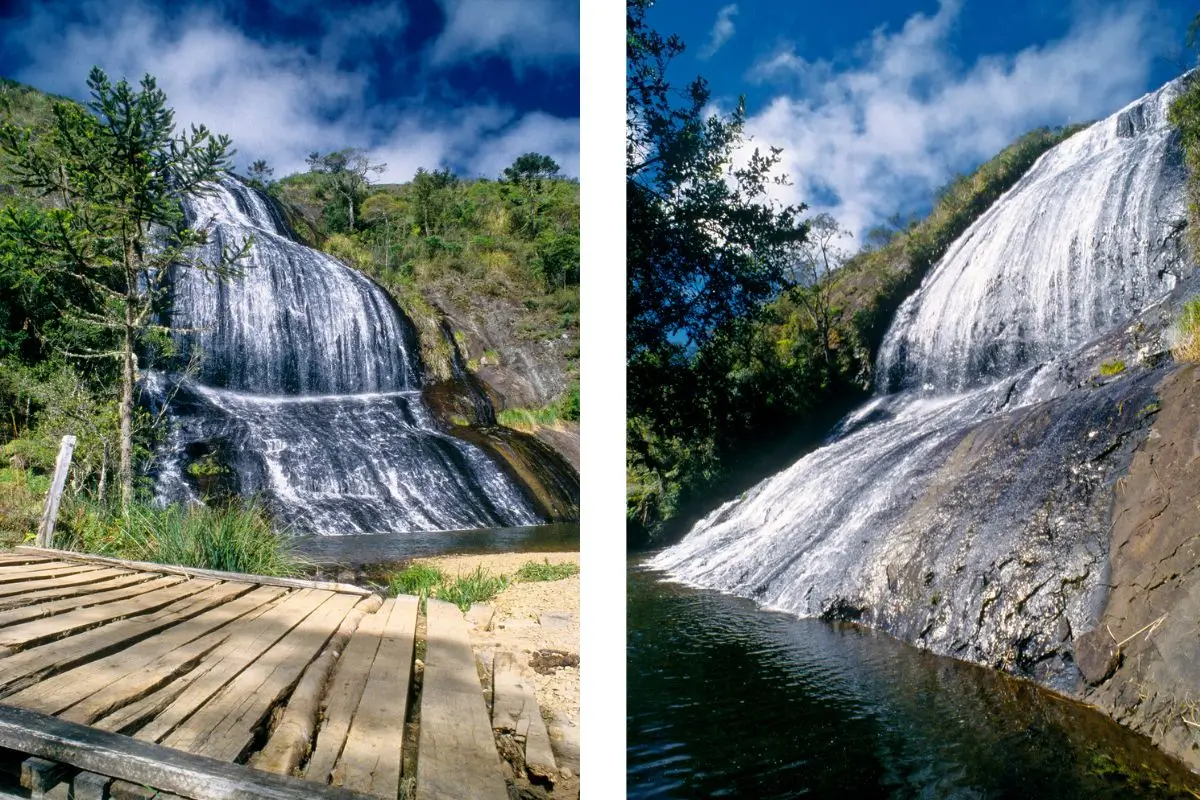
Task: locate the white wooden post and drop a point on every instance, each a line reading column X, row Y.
column 45, row 535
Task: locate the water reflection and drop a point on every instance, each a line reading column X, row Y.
column 728, row 701
column 357, row 549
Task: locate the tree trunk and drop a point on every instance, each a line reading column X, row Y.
column 351, row 199
column 128, row 374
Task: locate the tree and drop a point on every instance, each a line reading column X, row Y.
column 431, row 198
column 347, row 174
column 527, row 176
column 705, row 245
column 115, row 171
column 815, row 263
column 261, row 173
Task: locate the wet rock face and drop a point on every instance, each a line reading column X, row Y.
column 1002, row 560
column 1153, row 609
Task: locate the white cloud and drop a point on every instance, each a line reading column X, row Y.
column 277, row 100
column 722, row 31
column 865, row 141
column 523, row 30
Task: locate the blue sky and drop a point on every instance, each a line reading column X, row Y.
column 468, row 84
column 877, row 104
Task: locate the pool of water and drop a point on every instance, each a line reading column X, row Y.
column 725, row 700
column 354, row 550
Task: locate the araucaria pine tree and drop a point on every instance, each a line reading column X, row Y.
column 112, row 173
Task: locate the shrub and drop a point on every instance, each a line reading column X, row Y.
column 1112, row 368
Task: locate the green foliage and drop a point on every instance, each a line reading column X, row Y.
column 22, row 495
column 565, row 409
column 416, row 579
column 532, row 571
column 234, row 538
column 1109, row 368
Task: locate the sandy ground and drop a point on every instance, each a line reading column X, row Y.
column 515, row 621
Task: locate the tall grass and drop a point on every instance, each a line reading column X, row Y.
column 233, row 538
column 477, row 586
column 1185, row 334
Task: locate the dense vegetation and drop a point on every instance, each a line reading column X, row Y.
column 443, row 243
column 711, row 413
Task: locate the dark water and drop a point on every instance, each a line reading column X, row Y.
column 381, row 548
column 728, row 701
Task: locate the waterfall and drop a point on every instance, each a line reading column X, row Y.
column 308, row 390
column 1086, row 240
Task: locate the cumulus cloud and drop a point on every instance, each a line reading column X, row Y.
column 722, row 31
column 865, row 140
column 526, row 31
column 278, row 100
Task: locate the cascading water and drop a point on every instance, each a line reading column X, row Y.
column 918, row 515
column 308, row 391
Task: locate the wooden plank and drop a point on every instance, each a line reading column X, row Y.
column 291, row 583
column 13, row 595
column 370, row 761
column 150, row 764
column 225, row 726
column 35, row 572
column 291, row 738
column 457, row 752
column 164, row 592
column 345, row 690
column 90, row 786
column 98, row 687
column 62, row 465
column 40, row 774
column 9, row 559
column 515, row 711
column 248, row 642
column 27, row 667
column 101, row 595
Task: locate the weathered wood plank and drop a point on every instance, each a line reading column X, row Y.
column 40, row 774
column 34, row 572
column 515, row 711
column 291, row 583
column 29, row 666
column 19, row 594
column 99, row 596
column 342, row 698
column 224, row 727
column 150, row 764
column 90, row 786
column 164, row 592
column 291, row 738
column 370, row 761
column 247, row 642
column 96, row 688
column 457, row 752
column 9, row 559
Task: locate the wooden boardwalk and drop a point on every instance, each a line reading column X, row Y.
column 132, row 680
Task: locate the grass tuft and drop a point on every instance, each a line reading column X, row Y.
column 478, row 586
column 418, row 579
column 532, row 571
column 234, row 538
column 1112, row 368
